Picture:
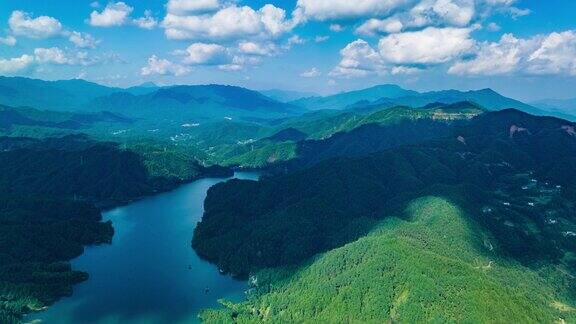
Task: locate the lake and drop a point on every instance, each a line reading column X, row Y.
column 150, row 273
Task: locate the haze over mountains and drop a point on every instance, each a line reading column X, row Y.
column 215, row 101
column 558, row 105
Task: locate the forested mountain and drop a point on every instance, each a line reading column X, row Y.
column 48, row 188
column 76, row 166
column 492, row 147
column 343, row 100
column 64, row 95
column 194, row 103
column 305, row 141
column 427, row 263
column 37, row 236
column 286, row 96
column 179, row 102
column 506, row 179
column 29, row 121
column 389, row 95
column 566, row 106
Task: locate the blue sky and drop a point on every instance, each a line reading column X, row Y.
column 522, row 48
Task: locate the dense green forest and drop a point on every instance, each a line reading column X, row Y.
column 379, row 204
column 507, row 175
column 307, row 140
column 282, row 220
column 78, row 167
column 37, row 236
column 48, row 191
column 428, row 263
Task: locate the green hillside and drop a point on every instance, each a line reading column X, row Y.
column 347, row 134
column 37, row 236
column 77, row 166
column 430, row 264
column 282, row 220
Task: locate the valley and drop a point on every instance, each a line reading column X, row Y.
column 453, row 200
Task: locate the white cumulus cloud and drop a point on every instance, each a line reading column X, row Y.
column 380, row 26
column 8, row 40
column 114, row 14
column 229, row 23
column 435, row 12
column 147, row 21
column 17, row 64
column 358, row 59
column 83, row 40
column 429, row 46
column 206, row 54
column 312, row 73
column 254, row 48
column 346, row 9
column 157, row 66
column 23, row 24
column 180, row 7
column 554, row 53
column 57, row 56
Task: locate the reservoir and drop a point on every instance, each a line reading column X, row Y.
column 150, row 273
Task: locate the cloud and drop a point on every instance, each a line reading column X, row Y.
column 8, row 40
column 554, row 53
column 429, row 46
column 436, row 12
column 23, row 24
column 206, row 54
column 158, row 66
column 398, row 53
column 321, row 39
column 232, row 22
column 253, row 48
column 82, row 40
column 359, row 59
column 293, row 40
column 373, row 27
column 57, row 56
column 239, row 62
column 17, row 64
column 493, row 58
column 52, row 55
column 147, row 21
column 493, row 27
column 312, row 73
column 181, row 7
column 115, row 14
column 345, row 9
column 337, row 28
column 404, row 70
column 517, row 12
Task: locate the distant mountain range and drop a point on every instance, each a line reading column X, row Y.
column 144, row 101
column 567, row 106
column 12, row 117
column 393, row 95
column 209, row 102
column 195, row 102
column 345, row 99
column 286, row 95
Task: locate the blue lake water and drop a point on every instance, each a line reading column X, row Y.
column 150, row 273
